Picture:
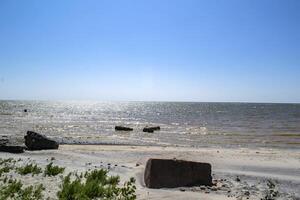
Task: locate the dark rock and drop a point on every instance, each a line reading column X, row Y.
column 123, row 128
column 237, row 179
column 12, row 149
column 36, row 141
column 162, row 173
column 25, row 110
column 151, row 129
column 148, row 130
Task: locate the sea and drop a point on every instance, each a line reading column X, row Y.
column 184, row 124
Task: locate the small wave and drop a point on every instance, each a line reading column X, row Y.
column 288, row 134
column 5, row 113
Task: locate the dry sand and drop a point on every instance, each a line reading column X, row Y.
column 252, row 166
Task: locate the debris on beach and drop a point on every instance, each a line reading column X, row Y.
column 11, row 149
column 36, row 141
column 164, row 173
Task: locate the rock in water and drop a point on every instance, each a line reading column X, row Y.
column 12, row 149
column 148, row 130
column 162, row 173
column 36, row 141
column 123, row 128
column 151, row 129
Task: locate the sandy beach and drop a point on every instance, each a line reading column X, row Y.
column 239, row 173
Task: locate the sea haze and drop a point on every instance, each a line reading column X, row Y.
column 183, row 124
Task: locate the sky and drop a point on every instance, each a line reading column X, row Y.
column 150, row 50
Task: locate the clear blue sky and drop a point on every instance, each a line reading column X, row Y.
column 213, row 50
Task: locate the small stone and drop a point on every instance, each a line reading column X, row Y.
column 202, row 187
column 182, row 189
column 237, row 179
column 137, row 164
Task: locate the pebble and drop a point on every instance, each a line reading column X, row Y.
column 202, row 187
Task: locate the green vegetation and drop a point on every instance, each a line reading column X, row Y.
column 5, row 169
column 13, row 190
column 97, row 184
column 53, row 170
column 8, row 164
column 29, row 169
column 94, row 184
column 6, row 161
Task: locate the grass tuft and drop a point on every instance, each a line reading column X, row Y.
column 29, row 169
column 14, row 190
column 5, row 169
column 6, row 161
column 97, row 185
column 51, row 170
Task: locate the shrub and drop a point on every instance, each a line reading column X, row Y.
column 53, row 170
column 97, row 184
column 5, row 169
column 6, row 161
column 29, row 168
column 13, row 190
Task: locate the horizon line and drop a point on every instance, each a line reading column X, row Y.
column 150, row 101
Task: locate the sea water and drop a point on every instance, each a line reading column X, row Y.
column 182, row 123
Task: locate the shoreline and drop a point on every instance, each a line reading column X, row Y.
column 253, row 166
